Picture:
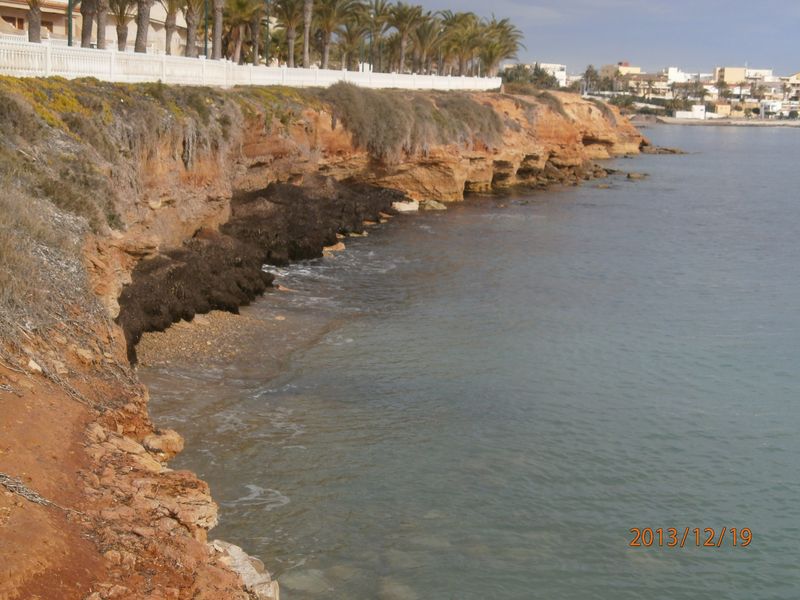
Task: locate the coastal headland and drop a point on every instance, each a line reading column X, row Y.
column 127, row 208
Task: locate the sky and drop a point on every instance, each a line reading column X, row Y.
column 694, row 35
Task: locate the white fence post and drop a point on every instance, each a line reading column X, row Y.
column 164, row 68
column 48, row 60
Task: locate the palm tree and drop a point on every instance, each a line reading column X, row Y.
column 142, row 24
column 378, row 13
column 461, row 37
column 239, row 14
column 350, row 37
column 330, row 15
column 391, row 48
column 35, row 21
column 216, row 30
column 290, row 14
column 192, row 10
column 122, row 11
column 499, row 40
column 427, row 37
column 405, row 18
column 172, row 7
column 102, row 22
column 308, row 10
column 88, row 10
column 255, row 32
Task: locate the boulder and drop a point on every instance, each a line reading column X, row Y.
column 165, row 443
column 255, row 578
column 406, row 206
column 338, row 247
column 432, row 205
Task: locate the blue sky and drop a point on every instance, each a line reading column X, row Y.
column 696, row 35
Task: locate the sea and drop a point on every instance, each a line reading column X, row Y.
column 510, row 399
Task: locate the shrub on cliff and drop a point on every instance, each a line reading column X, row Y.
column 537, row 96
column 390, row 123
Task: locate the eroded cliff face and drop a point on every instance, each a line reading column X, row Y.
column 543, row 143
column 116, row 521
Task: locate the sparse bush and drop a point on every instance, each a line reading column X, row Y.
column 605, row 109
column 538, row 97
column 388, row 123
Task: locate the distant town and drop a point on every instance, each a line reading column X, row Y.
column 727, row 92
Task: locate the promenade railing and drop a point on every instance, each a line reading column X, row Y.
column 21, row 58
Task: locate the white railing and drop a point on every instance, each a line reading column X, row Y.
column 20, row 58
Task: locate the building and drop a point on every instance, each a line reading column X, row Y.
column 698, row 112
column 675, row 75
column 731, row 75
column 648, row 85
column 556, row 70
column 14, row 21
column 622, row 68
column 760, row 75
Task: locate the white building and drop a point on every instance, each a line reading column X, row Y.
column 697, row 113
column 556, row 70
column 675, row 75
column 14, row 21
column 764, row 75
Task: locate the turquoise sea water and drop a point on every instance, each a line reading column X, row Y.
column 482, row 404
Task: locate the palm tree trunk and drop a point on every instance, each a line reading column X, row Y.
column 102, row 23
column 216, row 51
column 308, row 8
column 169, row 29
column 34, row 22
column 403, row 44
column 255, row 35
column 122, row 36
column 191, row 31
column 291, row 35
column 237, row 52
column 326, row 50
column 142, row 25
column 87, row 22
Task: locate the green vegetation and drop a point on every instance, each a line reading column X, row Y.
column 93, row 128
column 521, row 77
column 389, row 122
column 391, row 36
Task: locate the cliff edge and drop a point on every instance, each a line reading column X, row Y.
column 129, row 207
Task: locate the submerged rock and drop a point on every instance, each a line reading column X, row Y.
column 636, row 176
column 432, row 205
column 255, row 578
column 310, row 581
column 391, row 589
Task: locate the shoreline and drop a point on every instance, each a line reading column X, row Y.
column 727, row 122
column 128, row 525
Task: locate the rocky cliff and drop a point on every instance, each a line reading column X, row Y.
column 130, row 207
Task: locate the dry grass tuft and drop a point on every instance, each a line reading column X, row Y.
column 390, row 123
